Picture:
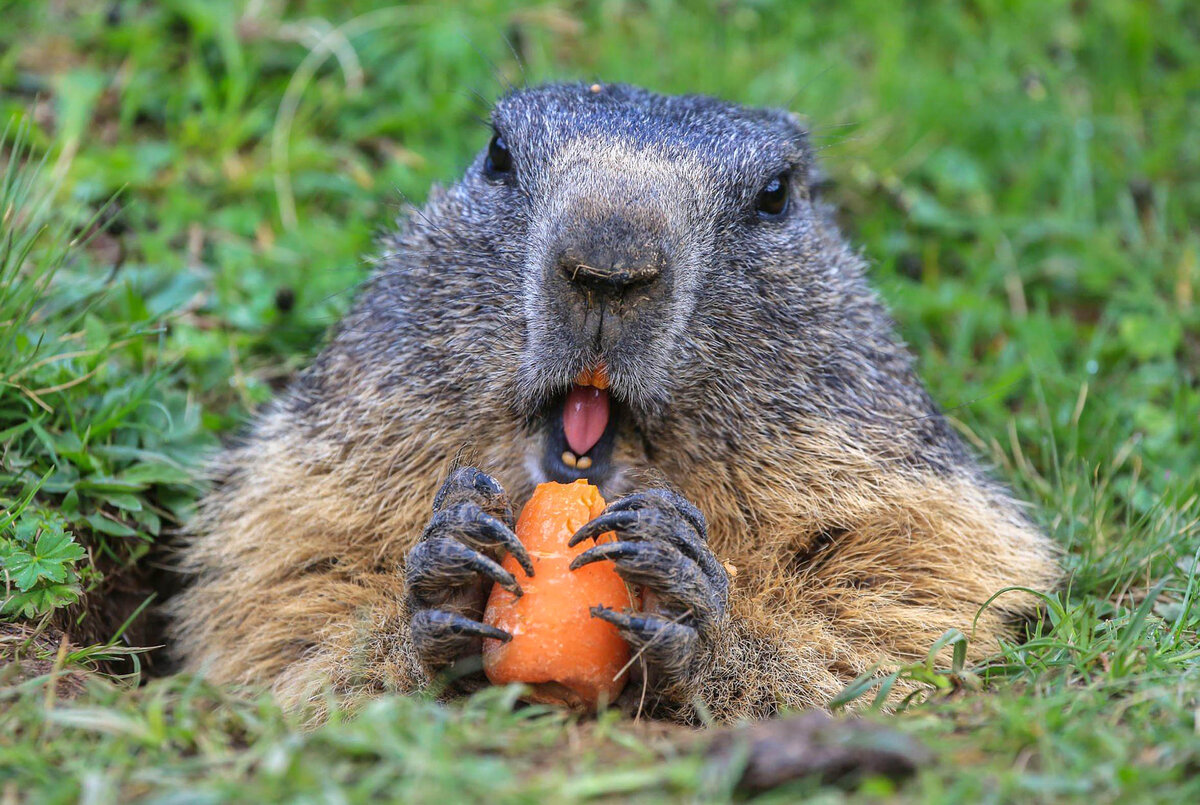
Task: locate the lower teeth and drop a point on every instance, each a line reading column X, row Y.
column 579, row 463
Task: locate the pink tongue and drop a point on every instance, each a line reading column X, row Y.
column 585, row 417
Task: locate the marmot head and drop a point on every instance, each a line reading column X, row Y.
column 641, row 220
column 675, row 241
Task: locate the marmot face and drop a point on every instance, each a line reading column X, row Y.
column 644, row 222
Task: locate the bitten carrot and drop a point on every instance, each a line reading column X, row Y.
column 564, row 654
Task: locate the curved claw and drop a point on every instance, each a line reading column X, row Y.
column 624, row 620
column 607, row 521
column 470, row 524
column 438, row 623
column 439, row 562
column 606, row 550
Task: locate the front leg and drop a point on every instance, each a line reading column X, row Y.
column 451, row 569
column 873, row 595
column 662, row 547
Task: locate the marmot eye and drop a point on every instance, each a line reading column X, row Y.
column 499, row 159
column 772, row 200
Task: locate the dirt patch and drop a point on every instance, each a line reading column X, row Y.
column 762, row 756
column 27, row 653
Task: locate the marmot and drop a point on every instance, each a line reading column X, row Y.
column 783, row 484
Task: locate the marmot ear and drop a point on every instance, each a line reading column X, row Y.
column 817, row 180
column 799, row 121
column 810, row 174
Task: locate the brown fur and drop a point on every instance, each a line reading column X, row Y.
column 859, row 528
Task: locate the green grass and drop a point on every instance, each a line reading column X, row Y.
column 1024, row 177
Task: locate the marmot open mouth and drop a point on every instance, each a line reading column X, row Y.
column 580, row 430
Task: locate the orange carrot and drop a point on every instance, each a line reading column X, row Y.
column 564, row 654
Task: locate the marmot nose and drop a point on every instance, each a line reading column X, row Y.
column 611, row 256
column 609, row 273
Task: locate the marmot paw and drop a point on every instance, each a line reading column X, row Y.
column 449, row 571
column 662, row 547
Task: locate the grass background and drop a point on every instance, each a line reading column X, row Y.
column 1023, row 177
